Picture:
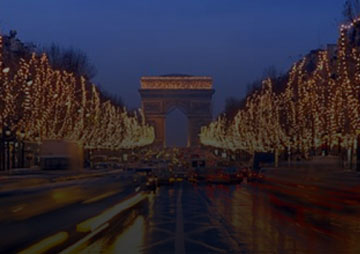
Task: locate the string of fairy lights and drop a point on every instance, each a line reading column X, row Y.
column 41, row 103
column 319, row 106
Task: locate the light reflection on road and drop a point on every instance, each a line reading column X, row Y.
column 131, row 240
column 242, row 218
column 252, row 220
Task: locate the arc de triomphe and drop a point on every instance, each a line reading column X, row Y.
column 192, row 95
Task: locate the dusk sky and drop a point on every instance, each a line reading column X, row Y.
column 232, row 41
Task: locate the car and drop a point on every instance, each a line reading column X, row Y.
column 256, row 176
column 180, row 176
column 101, row 165
column 151, row 182
column 144, row 171
column 165, row 178
column 236, row 175
column 247, row 173
column 192, row 177
column 172, row 179
column 251, row 176
column 261, row 174
column 218, row 176
column 117, row 166
column 200, row 174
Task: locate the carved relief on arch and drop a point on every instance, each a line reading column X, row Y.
column 152, row 107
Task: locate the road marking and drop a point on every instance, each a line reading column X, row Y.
column 17, row 209
column 95, row 222
column 216, row 219
column 100, row 197
column 46, row 244
column 179, row 237
column 163, row 230
column 201, row 230
column 149, row 246
column 85, row 239
column 207, row 246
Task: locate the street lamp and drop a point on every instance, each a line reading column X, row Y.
column 3, row 149
column 22, row 143
column 358, row 151
column 7, row 133
column 5, row 144
column 29, row 82
column 6, row 70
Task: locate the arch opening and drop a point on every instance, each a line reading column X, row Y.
column 177, row 126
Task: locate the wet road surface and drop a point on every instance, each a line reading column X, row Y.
column 244, row 218
column 29, row 216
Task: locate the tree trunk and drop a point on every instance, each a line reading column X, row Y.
column 276, row 154
column 358, row 154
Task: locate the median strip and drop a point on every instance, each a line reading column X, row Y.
column 83, row 240
column 95, row 222
column 46, row 244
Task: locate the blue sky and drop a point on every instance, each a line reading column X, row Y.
column 231, row 40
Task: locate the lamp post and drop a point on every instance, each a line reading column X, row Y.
column 22, row 147
column 6, row 137
column 3, row 163
column 358, row 152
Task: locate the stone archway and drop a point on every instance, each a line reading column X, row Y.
column 192, row 95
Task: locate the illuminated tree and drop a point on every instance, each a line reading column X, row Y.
column 319, row 105
column 45, row 103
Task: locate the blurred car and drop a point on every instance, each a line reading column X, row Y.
column 218, row 176
column 101, row 165
column 255, row 176
column 140, row 176
column 117, row 166
column 172, row 179
column 144, row 171
column 200, row 174
column 165, row 178
column 240, row 175
column 261, row 175
column 180, row 176
column 245, row 172
column 236, row 175
column 151, row 182
column 193, row 177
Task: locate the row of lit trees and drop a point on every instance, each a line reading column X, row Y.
column 319, row 105
column 42, row 103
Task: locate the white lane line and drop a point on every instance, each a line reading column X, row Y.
column 18, row 209
column 85, row 239
column 163, row 230
column 207, row 246
column 158, row 243
column 179, row 239
column 201, row 230
column 99, row 197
